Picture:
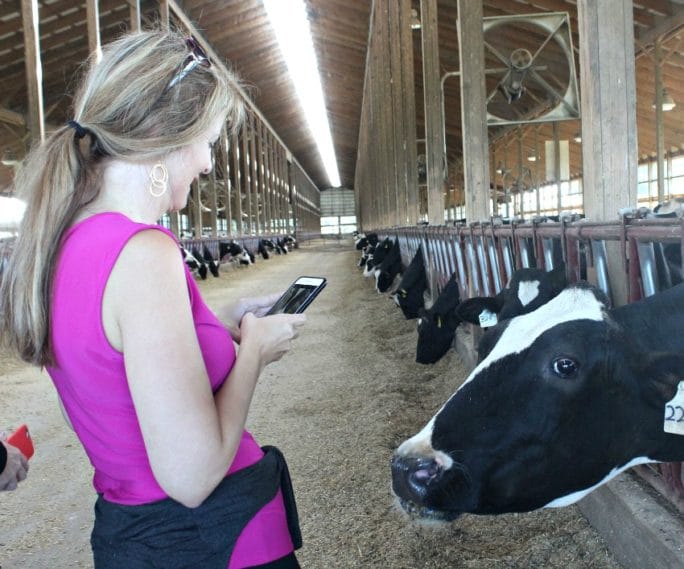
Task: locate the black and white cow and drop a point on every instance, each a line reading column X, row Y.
column 527, row 290
column 265, row 247
column 409, row 295
column 389, row 268
column 198, row 260
column 437, row 326
column 361, row 241
column 232, row 251
column 564, row 398
column 379, row 253
column 210, row 261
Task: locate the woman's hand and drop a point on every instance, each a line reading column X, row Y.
column 270, row 336
column 232, row 314
column 16, row 467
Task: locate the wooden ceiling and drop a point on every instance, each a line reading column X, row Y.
column 239, row 31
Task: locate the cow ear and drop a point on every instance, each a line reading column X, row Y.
column 469, row 310
column 664, row 372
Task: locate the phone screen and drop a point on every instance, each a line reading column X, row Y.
column 298, row 296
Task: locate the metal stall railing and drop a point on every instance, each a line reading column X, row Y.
column 628, row 260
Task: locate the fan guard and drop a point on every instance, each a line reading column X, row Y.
column 530, row 69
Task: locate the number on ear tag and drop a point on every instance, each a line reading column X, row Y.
column 674, row 412
column 488, row 318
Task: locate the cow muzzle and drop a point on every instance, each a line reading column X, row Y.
column 414, row 481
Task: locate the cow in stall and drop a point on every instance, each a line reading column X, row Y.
column 526, row 291
column 437, row 326
column 379, row 253
column 362, row 240
column 231, row 251
column 265, row 247
column 210, row 261
column 409, row 295
column 389, row 268
column 563, row 399
column 194, row 261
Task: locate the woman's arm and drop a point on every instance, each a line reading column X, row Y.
column 191, row 437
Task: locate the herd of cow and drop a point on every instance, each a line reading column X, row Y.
column 204, row 262
column 567, row 393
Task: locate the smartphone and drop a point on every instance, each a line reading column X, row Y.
column 300, row 294
column 22, row 440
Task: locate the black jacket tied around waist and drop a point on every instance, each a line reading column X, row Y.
column 168, row 535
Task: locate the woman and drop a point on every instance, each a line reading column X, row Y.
column 147, row 376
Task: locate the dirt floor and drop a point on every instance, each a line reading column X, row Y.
column 337, row 405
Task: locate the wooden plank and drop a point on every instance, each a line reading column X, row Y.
column 30, row 18
column 434, row 146
column 473, row 112
column 254, row 160
column 164, row 14
column 237, row 185
column 608, row 99
column 135, row 15
column 410, row 156
column 93, row 19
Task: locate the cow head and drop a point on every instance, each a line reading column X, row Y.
column 437, row 326
column 561, row 401
column 527, row 290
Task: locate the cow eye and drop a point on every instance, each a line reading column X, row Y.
column 564, row 367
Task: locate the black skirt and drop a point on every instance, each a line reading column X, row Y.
column 168, row 535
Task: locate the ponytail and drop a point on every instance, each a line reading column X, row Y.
column 56, row 180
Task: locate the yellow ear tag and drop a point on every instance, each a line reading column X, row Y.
column 674, row 412
column 439, row 322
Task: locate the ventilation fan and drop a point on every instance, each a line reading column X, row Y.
column 530, row 69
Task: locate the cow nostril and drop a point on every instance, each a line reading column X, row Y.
column 424, row 473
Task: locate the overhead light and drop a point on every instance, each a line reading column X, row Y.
column 532, row 157
column 577, row 137
column 668, row 102
column 415, row 20
column 288, row 18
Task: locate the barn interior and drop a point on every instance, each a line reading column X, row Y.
column 445, row 112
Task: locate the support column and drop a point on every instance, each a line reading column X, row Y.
column 93, row 17
column 608, row 88
column 34, row 69
column 434, row 140
column 135, row 15
column 473, row 110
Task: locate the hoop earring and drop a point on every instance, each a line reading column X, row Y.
column 159, row 178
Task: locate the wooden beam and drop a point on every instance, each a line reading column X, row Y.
column 12, row 117
column 473, row 111
column 93, row 18
column 135, row 15
column 34, row 71
column 608, row 89
column 164, row 15
column 434, row 145
column 660, row 31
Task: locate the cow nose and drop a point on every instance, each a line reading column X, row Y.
column 412, row 476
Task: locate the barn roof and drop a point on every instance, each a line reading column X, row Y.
column 239, row 31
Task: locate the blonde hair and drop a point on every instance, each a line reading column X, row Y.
column 131, row 109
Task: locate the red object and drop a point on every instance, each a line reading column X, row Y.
column 22, row 440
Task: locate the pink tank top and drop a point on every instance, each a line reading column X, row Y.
column 91, row 380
